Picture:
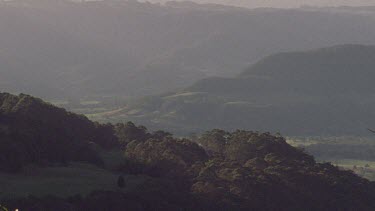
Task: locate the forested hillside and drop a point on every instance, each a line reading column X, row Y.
column 32, row 131
column 326, row 91
column 218, row 170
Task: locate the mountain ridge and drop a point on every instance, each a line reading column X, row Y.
column 282, row 93
column 71, row 51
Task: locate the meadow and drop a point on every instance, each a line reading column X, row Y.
column 77, row 178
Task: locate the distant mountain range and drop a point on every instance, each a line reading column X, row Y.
column 61, row 49
column 282, row 3
column 328, row 91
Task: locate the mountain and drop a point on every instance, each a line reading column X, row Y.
column 96, row 49
column 326, row 91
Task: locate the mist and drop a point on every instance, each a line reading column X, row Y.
column 286, row 3
column 199, row 105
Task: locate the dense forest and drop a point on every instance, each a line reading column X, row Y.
column 218, row 170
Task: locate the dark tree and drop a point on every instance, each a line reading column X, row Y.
column 121, row 182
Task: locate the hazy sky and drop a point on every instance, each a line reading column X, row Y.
column 287, row 3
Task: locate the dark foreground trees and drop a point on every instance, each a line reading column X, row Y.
column 32, row 131
column 249, row 170
column 240, row 170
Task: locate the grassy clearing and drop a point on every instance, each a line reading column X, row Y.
column 90, row 110
column 348, row 140
column 78, row 178
column 348, row 163
column 59, row 102
column 185, row 94
column 104, row 113
column 90, row 102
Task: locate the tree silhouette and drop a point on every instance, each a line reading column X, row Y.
column 121, row 182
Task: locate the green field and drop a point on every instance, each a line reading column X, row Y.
column 78, row 178
column 362, row 168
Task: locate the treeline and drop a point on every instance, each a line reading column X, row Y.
column 246, row 170
column 240, row 170
column 32, row 131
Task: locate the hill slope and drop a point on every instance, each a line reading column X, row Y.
column 326, row 91
column 35, row 132
column 240, row 170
